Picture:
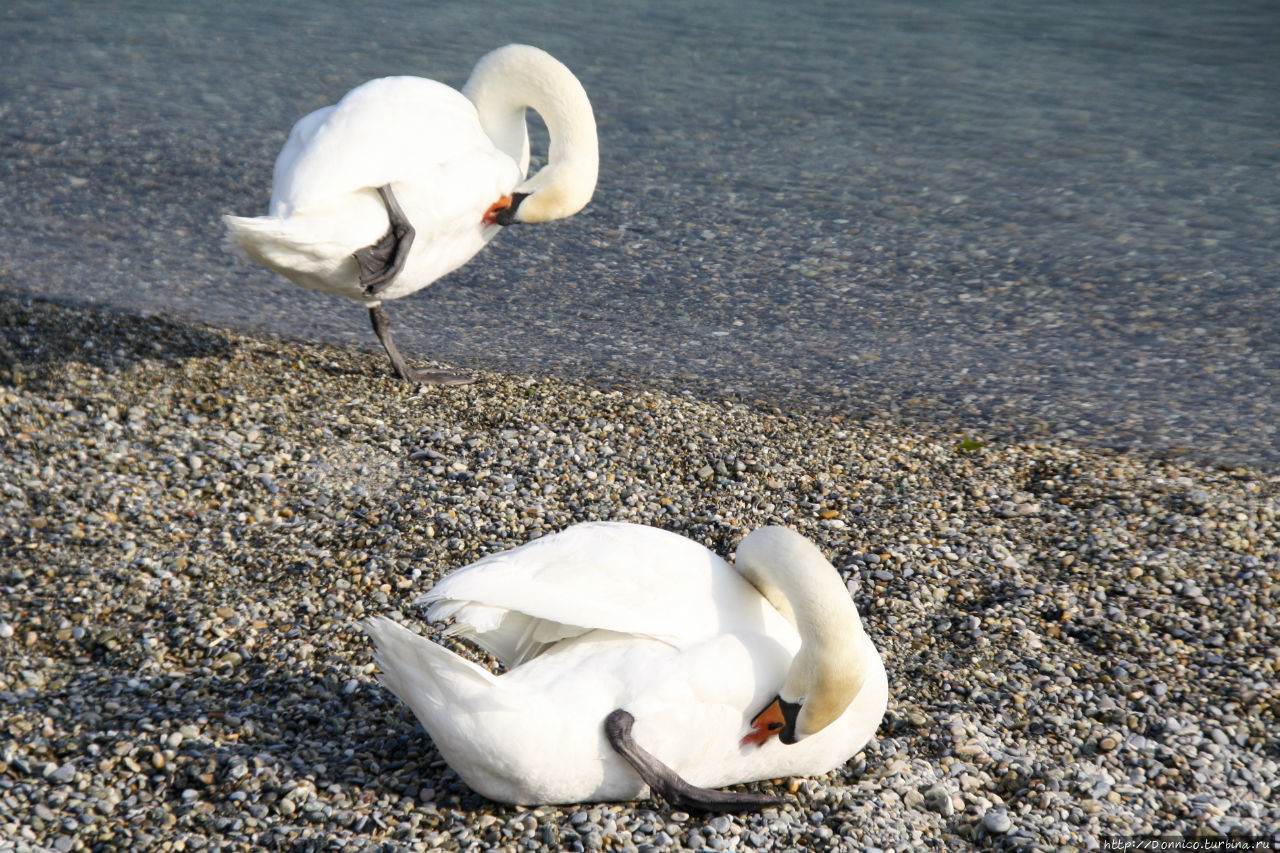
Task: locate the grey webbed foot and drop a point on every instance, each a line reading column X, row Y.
column 665, row 782
column 382, row 328
column 381, row 262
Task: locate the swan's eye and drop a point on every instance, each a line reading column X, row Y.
column 773, row 727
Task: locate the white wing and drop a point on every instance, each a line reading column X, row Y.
column 625, row 578
column 389, row 130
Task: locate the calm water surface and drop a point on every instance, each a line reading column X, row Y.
column 1019, row 218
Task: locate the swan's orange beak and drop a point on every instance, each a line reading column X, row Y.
column 495, row 210
column 766, row 724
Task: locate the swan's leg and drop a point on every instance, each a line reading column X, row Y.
column 381, row 262
column 382, row 328
column 662, row 780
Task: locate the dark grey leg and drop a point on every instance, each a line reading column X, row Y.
column 664, row 781
column 383, row 261
column 382, row 328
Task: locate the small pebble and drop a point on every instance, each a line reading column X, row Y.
column 996, row 823
column 937, row 799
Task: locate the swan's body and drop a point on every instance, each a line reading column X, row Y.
column 607, row 616
column 454, row 162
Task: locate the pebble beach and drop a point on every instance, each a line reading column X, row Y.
column 1080, row 643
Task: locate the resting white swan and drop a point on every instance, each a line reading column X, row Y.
column 404, row 179
column 638, row 659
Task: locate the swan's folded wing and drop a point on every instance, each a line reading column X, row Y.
column 626, row 578
column 386, row 131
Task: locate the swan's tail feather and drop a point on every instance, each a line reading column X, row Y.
column 422, row 674
column 291, row 246
column 250, row 235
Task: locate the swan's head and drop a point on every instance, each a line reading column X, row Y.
column 828, row 671
column 559, row 189
column 806, row 705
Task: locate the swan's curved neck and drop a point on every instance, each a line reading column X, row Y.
column 797, row 579
column 513, row 78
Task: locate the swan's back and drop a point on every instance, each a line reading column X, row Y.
column 388, row 130
column 625, row 578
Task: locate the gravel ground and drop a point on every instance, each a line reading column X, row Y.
column 194, row 521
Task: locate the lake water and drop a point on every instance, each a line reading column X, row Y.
column 1022, row 219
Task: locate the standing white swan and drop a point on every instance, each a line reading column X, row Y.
column 638, row 659
column 404, row 179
